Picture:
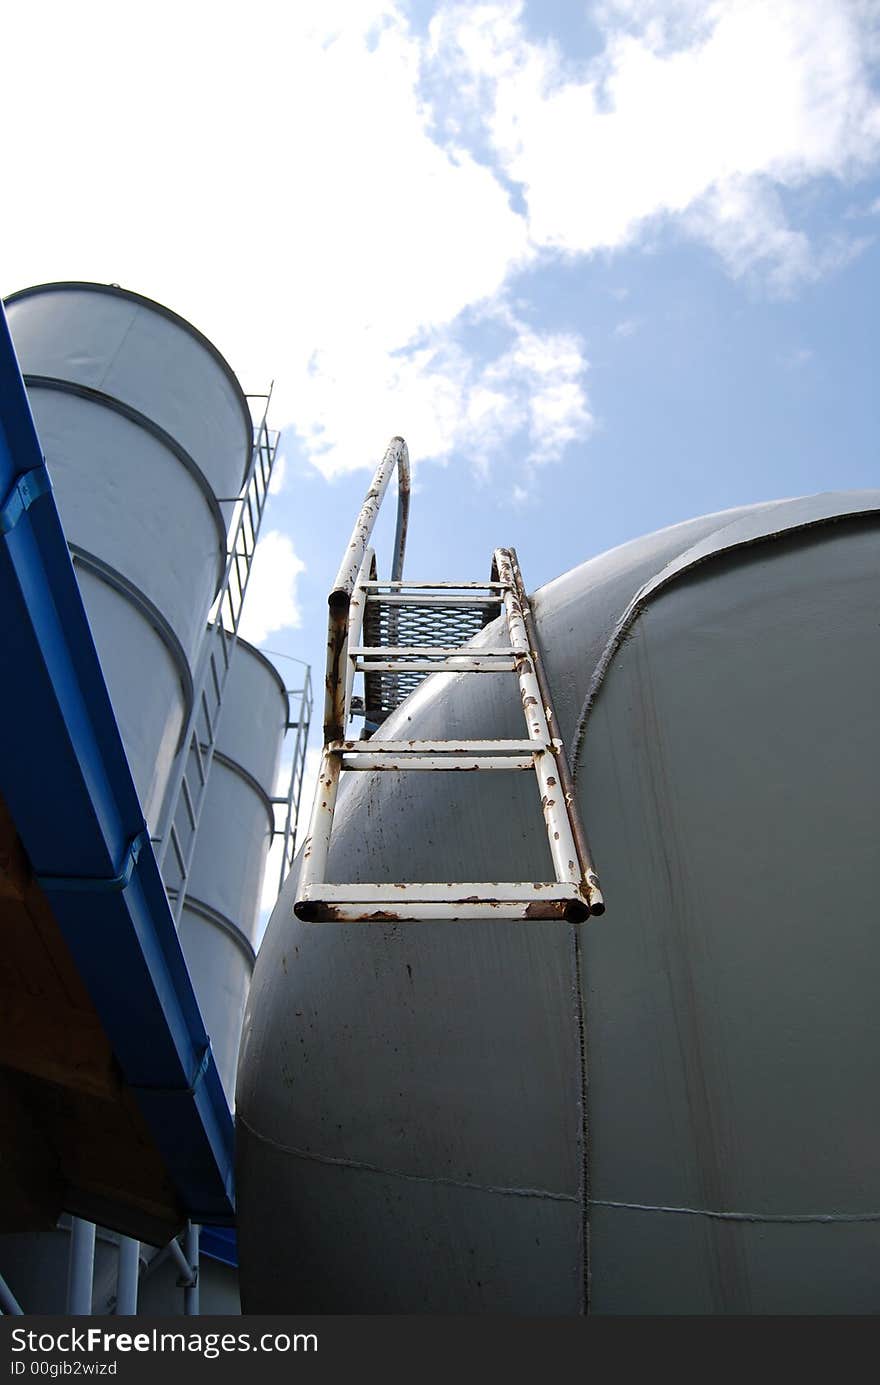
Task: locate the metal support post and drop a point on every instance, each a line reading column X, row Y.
column 127, row 1274
column 191, row 1290
column 8, row 1302
column 81, row 1267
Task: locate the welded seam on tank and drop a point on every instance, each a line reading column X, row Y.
column 119, row 345
column 783, row 1218
column 583, row 1075
column 112, row 578
column 221, row 922
column 362, row 1166
column 682, row 566
column 252, row 782
column 153, row 429
column 261, row 657
column 116, row 291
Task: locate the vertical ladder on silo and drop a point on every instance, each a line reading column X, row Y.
column 176, row 831
column 574, row 894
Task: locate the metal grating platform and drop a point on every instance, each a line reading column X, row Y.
column 390, row 621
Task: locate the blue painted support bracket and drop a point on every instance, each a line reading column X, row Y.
column 198, row 1074
column 99, row 884
column 28, row 488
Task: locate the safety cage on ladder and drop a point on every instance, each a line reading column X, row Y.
column 396, row 633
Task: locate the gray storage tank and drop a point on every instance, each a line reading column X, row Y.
column 671, row 1109
column 144, row 428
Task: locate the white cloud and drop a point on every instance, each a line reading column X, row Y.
column 327, row 226
column 447, row 400
column 304, row 219
column 859, row 211
column 549, row 369
column 744, row 222
column 270, row 603
column 797, row 358
column 279, row 474
column 704, row 109
column 627, row 328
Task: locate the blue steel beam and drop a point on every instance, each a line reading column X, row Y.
column 66, row 780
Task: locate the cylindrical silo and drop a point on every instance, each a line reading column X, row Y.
column 145, row 428
column 222, row 905
column 670, row 1109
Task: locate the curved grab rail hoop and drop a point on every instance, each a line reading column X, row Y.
column 396, row 458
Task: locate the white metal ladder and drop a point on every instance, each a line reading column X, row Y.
column 575, row 893
column 175, row 836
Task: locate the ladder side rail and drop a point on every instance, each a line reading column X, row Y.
column 285, row 801
column 559, row 833
column 317, row 843
column 357, row 616
column 396, row 458
column 217, row 630
column 297, row 771
column 566, row 781
column 299, row 758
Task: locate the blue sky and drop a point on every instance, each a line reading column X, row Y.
column 606, row 265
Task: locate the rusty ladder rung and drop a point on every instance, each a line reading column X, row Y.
column 384, row 761
column 451, row 902
column 459, row 747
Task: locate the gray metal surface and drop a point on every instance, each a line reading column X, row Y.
column 416, row 1128
column 221, row 909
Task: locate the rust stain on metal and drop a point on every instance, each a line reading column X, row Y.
column 552, row 909
column 334, row 682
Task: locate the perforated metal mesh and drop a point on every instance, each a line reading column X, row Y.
column 385, row 624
